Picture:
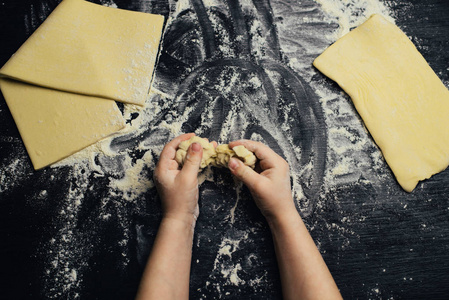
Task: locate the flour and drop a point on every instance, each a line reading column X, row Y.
column 37, row 14
column 223, row 263
column 305, row 28
column 350, row 14
column 13, row 174
column 108, row 3
column 351, row 151
column 135, row 182
column 67, row 253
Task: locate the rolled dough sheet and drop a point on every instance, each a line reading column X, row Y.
column 54, row 124
column 60, row 86
column 93, row 50
column 402, row 102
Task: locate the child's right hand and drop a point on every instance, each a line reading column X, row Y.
column 271, row 188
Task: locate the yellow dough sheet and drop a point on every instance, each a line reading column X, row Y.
column 54, row 124
column 60, row 86
column 402, row 102
column 93, row 50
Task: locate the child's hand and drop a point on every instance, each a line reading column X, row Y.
column 178, row 188
column 271, row 188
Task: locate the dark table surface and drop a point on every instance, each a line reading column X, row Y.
column 229, row 70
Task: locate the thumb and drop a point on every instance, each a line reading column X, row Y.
column 242, row 172
column 193, row 160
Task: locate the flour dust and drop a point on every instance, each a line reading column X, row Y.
column 305, row 29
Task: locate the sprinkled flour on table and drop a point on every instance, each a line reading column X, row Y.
column 124, row 162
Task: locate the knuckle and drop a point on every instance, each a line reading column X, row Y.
column 245, row 174
column 242, row 171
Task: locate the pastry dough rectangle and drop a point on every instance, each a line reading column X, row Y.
column 61, row 84
column 93, row 50
column 401, row 100
column 55, row 124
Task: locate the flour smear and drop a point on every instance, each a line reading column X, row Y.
column 305, row 29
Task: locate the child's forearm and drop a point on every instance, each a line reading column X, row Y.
column 168, row 269
column 304, row 274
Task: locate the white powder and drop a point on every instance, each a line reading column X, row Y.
column 223, row 264
column 67, row 254
column 13, row 174
column 351, row 151
column 238, row 190
column 350, row 14
column 304, row 32
column 135, row 182
column 108, row 3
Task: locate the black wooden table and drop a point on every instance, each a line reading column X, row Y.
column 229, row 70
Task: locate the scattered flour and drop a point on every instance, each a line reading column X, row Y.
column 108, row 3
column 67, row 252
column 135, row 182
column 351, row 152
column 13, row 173
column 350, row 14
column 223, row 261
column 305, row 29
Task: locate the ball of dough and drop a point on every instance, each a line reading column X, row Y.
column 218, row 157
column 245, row 155
column 208, row 151
column 224, row 154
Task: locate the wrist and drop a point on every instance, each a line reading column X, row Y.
column 286, row 219
column 185, row 219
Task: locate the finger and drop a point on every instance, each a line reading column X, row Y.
column 243, row 172
column 172, row 165
column 259, row 149
column 193, row 160
column 169, row 151
column 267, row 157
column 214, row 143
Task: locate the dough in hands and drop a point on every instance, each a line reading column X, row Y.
column 208, row 151
column 218, row 157
column 224, row 154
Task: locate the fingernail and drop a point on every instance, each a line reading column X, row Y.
column 196, row 147
column 233, row 164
